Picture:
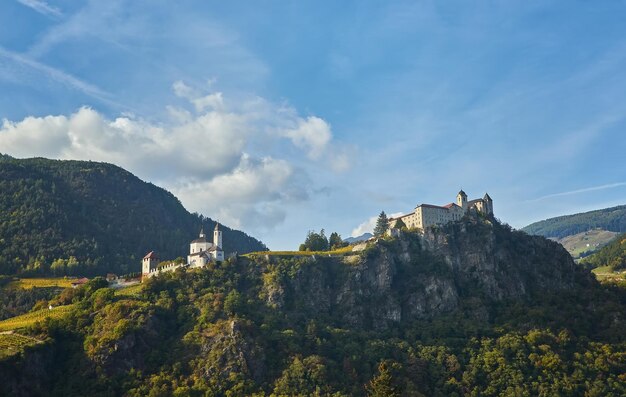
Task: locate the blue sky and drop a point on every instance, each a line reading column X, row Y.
column 281, row 117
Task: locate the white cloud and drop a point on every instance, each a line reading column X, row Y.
column 578, row 191
column 208, row 155
column 42, row 7
column 311, row 134
column 252, row 195
column 369, row 224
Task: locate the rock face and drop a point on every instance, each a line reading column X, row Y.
column 420, row 275
column 231, row 348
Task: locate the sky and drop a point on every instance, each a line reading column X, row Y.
column 280, row 117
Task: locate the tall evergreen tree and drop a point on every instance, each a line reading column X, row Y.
column 382, row 384
column 382, row 223
column 335, row 241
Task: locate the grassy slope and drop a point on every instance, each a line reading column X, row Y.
column 591, row 240
column 42, row 282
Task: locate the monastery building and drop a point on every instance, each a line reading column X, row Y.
column 427, row 214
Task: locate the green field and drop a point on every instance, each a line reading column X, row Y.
column 31, row 318
column 11, row 344
column 28, row 283
column 131, row 291
column 340, row 251
column 591, row 240
column 606, row 274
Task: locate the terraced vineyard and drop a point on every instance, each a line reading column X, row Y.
column 31, row 318
column 131, row 291
column 11, row 344
column 28, row 283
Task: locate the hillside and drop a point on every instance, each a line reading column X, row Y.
column 88, row 218
column 610, row 219
column 612, row 256
column 471, row 308
column 584, row 244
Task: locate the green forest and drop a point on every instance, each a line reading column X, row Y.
column 612, row 255
column 88, row 218
column 612, row 219
column 265, row 328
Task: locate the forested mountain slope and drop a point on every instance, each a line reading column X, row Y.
column 87, row 218
column 612, row 255
column 612, row 219
column 471, row 308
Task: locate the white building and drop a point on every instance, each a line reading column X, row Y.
column 201, row 252
column 427, row 214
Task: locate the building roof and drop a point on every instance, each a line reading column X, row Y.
column 433, row 206
column 200, row 240
column 487, row 197
column 474, row 201
column 151, row 255
column 462, row 193
column 201, row 253
column 215, row 248
column 80, row 281
column 448, row 206
column 217, row 226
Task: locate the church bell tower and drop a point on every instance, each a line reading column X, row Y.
column 217, row 236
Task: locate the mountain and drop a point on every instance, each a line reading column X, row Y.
column 362, row 237
column 468, row 308
column 584, row 233
column 611, row 219
column 583, row 244
column 612, row 255
column 88, row 218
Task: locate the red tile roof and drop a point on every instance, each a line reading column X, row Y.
column 151, row 255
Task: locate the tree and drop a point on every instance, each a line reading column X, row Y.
column 315, row 242
column 303, row 377
column 382, row 224
column 382, row 384
column 335, row 241
column 399, row 224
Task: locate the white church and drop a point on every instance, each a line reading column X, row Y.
column 201, row 252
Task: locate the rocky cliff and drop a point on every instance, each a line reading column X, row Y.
column 427, row 304
column 420, row 275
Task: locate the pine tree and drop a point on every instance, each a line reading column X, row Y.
column 382, row 224
column 382, row 384
column 335, row 241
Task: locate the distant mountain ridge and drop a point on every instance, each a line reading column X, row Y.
column 82, row 217
column 362, row 237
column 611, row 219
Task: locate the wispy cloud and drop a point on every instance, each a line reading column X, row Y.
column 42, row 7
column 578, row 191
column 59, row 76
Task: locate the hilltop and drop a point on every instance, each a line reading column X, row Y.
column 584, row 233
column 611, row 219
column 469, row 308
column 88, row 218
